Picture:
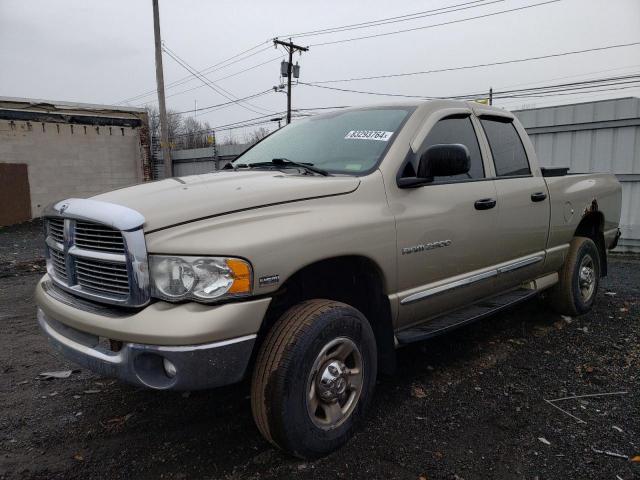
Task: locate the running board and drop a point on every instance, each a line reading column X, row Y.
column 465, row 315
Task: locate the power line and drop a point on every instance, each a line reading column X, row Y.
column 219, row 105
column 321, row 108
column 577, row 85
column 480, row 65
column 349, row 90
column 450, row 22
column 206, row 70
column 610, row 81
column 188, row 78
column 543, row 91
column 231, row 126
column 555, row 103
column 225, row 77
column 388, row 20
column 219, row 90
column 586, row 74
column 579, row 91
column 250, row 122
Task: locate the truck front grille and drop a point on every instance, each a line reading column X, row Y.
column 93, row 236
column 96, row 261
column 56, row 229
column 103, row 276
column 58, row 263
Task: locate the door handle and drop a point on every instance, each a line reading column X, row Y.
column 485, row 204
column 538, row 196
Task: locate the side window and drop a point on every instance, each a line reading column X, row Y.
column 507, row 150
column 456, row 130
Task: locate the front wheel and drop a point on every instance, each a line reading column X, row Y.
column 314, row 376
column 576, row 289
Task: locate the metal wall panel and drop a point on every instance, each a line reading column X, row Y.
column 610, row 145
column 630, row 220
column 193, row 168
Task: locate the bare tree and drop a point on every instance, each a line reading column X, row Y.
column 174, row 122
column 184, row 132
column 257, row 135
column 154, row 120
column 229, row 139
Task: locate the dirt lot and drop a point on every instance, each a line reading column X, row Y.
column 468, row 405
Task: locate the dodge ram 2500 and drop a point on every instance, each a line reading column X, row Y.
column 317, row 253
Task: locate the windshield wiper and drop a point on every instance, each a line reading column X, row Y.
column 283, row 162
column 307, row 166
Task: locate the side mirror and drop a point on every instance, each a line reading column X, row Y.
column 444, row 160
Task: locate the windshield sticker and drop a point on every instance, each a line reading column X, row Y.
column 379, row 135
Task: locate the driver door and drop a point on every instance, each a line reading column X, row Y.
column 446, row 230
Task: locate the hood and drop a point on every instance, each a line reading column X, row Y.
column 182, row 199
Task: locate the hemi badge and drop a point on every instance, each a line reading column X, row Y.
column 268, row 280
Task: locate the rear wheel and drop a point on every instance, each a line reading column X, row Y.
column 314, row 376
column 577, row 287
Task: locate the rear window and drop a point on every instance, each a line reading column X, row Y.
column 507, row 150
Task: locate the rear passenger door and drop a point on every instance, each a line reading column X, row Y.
column 523, row 203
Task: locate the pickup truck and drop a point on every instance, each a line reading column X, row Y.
column 308, row 261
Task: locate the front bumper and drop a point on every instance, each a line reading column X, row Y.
column 191, row 367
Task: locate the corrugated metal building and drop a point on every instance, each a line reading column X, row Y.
column 195, row 161
column 600, row 136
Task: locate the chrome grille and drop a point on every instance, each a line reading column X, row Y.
column 96, row 250
column 94, row 236
column 56, row 229
column 103, row 276
column 58, row 263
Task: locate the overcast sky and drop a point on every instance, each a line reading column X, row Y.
column 102, row 52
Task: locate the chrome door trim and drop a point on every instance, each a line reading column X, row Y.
column 521, row 264
column 558, row 248
column 448, row 286
column 463, row 282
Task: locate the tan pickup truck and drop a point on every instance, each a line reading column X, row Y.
column 318, row 253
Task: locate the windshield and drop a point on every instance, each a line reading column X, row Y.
column 349, row 142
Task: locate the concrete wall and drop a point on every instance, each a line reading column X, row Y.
column 72, row 159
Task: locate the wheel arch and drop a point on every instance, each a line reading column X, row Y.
column 592, row 226
column 356, row 280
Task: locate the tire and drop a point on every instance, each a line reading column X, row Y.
column 576, row 290
column 281, row 402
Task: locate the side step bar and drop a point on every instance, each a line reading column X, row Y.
column 463, row 316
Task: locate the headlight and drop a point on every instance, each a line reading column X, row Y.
column 204, row 279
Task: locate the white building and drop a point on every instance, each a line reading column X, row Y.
column 53, row 150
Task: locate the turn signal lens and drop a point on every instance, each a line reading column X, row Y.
column 241, row 276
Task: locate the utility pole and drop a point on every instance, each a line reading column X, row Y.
column 490, row 95
column 164, row 126
column 290, row 47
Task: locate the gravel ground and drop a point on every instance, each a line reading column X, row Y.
column 467, row 405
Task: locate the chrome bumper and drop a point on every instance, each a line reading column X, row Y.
column 191, row 367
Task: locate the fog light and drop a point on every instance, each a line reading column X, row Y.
column 169, row 368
